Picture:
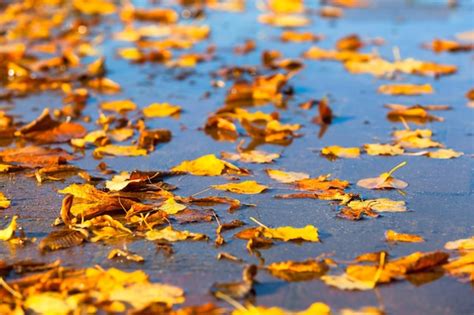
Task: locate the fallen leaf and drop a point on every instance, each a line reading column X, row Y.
column 406, row 89
column 444, row 154
column 171, row 235
column 383, row 149
column 379, row 205
column 119, row 253
column 286, row 177
column 298, row 271
column 392, row 236
column 209, row 165
column 118, row 106
column 384, row 181
column 461, row 244
column 246, row 187
column 63, row 239
column 8, row 232
column 337, row 151
column 253, row 156
column 4, row 202
column 161, row 110
column 119, row 150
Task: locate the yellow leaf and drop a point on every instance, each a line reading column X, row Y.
column 392, row 236
column 141, row 295
column 161, row 110
column 383, row 149
column 48, row 303
column 344, row 282
column 246, row 187
column 444, row 154
column 4, row 202
column 121, row 134
column 462, row 244
column 118, row 150
column 91, row 137
column 406, row 89
column 253, row 156
column 119, row 106
column 171, row 235
column 170, row 206
column 288, row 233
column 284, row 20
column 317, row 308
column 379, row 205
column 286, row 177
column 384, row 181
column 102, row 7
column 296, row 271
column 338, row 151
column 9, row 231
column 208, row 165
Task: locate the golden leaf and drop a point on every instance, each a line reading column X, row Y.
column 384, row 181
column 171, row 235
column 406, row 89
column 208, row 165
column 379, row 205
column 321, row 183
column 140, row 295
column 444, row 154
column 462, row 244
column 246, row 187
column 119, row 253
column 338, row 151
column 383, row 149
column 7, row 233
column 170, row 206
column 284, row 20
column 118, row 106
column 48, row 303
column 286, row 177
column 288, row 233
column 254, row 156
column 298, row 271
column 344, row 282
column 161, row 110
column 4, row 202
column 118, row 150
column 392, row 236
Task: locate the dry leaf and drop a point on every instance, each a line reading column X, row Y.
column 383, row 149
column 298, row 271
column 379, row 205
column 119, row 253
column 4, row 202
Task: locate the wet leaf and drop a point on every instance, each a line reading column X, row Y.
column 119, row 150
column 337, row 151
column 249, row 187
column 63, row 239
column 298, row 271
column 406, row 89
column 161, row 110
column 288, row 233
column 379, row 205
column 384, row 181
column 286, row 177
column 171, row 235
column 461, row 244
column 253, row 156
column 209, row 165
column 383, row 149
column 392, row 236
column 8, row 232
column 120, row 253
column 118, row 106
column 4, row 202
